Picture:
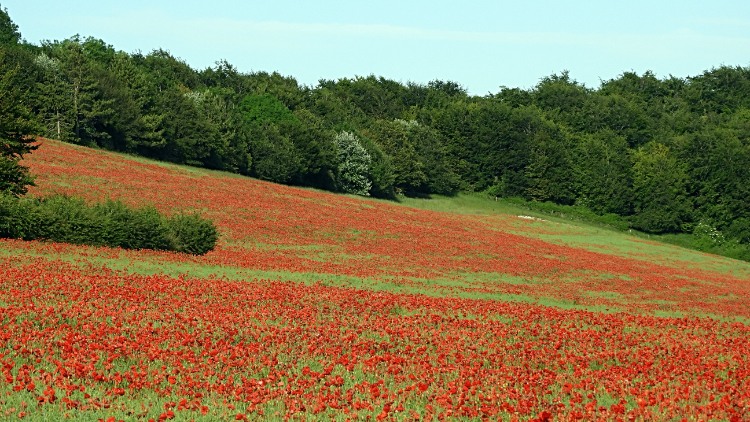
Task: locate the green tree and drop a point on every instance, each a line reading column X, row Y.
column 264, row 109
column 284, row 88
column 659, row 195
column 721, row 90
column 274, row 155
column 435, row 94
column 430, row 149
column 167, row 71
column 91, row 109
column 486, row 144
column 190, row 136
column 393, row 138
column 9, row 34
column 603, row 173
column 382, row 171
column 615, row 113
column 550, row 165
column 54, row 98
column 231, row 151
column 377, row 97
column 18, row 129
column 315, row 148
column 225, row 76
column 562, row 97
column 718, row 166
column 269, row 123
column 353, row 165
column 143, row 123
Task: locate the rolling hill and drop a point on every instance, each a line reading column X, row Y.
column 323, row 306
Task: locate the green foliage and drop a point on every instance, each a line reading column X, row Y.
column 112, row 223
column 436, row 94
column 377, row 97
column 381, row 171
column 80, row 92
column 721, row 90
column 718, row 170
column 602, row 172
column 17, row 130
column 190, row 233
column 353, row 165
column 550, row 164
column 55, row 101
column 709, row 240
column 190, row 138
column 9, row 35
column 166, row 71
column 429, row 146
column 486, row 144
column 274, row 155
column 284, row 88
column 264, row 109
column 393, row 138
column 561, row 95
column 660, row 199
column 314, row 145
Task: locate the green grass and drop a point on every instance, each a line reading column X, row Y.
column 575, row 232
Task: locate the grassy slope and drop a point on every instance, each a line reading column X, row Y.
column 301, row 234
column 632, row 244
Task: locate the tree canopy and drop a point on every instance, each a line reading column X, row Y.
column 17, row 130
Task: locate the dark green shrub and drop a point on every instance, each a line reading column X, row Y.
column 112, row 223
column 142, row 228
column 191, row 233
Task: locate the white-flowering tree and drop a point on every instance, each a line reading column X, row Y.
column 354, row 165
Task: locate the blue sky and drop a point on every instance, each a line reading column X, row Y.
column 480, row 44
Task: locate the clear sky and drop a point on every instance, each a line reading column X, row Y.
column 479, row 44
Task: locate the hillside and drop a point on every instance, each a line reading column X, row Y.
column 319, row 306
column 664, row 155
column 266, row 226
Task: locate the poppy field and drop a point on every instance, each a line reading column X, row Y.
column 317, row 306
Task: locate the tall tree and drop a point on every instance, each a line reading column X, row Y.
column 314, row 145
column 9, row 34
column 231, row 151
column 353, row 165
column 660, row 198
column 91, row 110
column 190, row 137
column 17, row 131
column 55, row 102
column 393, row 138
column 430, row 150
column 602, row 171
column 550, row 164
column 718, row 166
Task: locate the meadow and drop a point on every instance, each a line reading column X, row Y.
column 316, row 306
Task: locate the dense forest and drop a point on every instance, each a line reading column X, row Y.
column 668, row 155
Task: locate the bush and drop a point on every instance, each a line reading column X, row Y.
column 190, row 233
column 112, row 223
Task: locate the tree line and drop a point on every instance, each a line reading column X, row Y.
column 669, row 155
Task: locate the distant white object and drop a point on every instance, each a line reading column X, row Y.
column 528, row 217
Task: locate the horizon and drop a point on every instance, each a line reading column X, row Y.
column 481, row 45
